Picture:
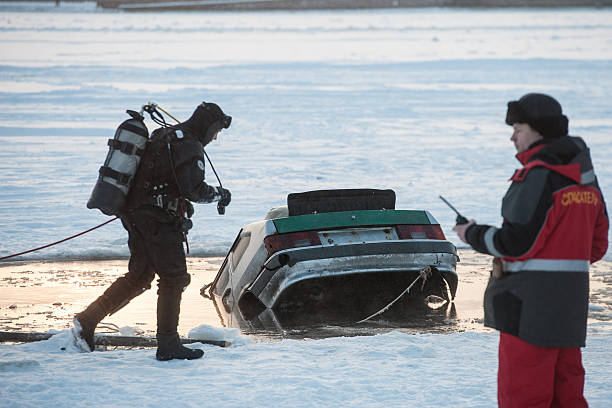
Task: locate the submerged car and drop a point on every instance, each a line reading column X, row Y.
column 333, row 256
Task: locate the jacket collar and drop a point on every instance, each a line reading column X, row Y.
column 525, row 157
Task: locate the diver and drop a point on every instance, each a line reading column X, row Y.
column 157, row 216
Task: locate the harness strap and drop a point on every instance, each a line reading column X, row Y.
column 120, row 178
column 125, row 147
column 135, row 129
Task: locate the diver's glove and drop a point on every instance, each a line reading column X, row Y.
column 224, row 199
column 188, row 208
column 220, row 194
column 213, row 194
column 226, row 196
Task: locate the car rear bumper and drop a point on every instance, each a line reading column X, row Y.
column 288, row 267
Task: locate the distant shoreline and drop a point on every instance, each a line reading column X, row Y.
column 250, row 5
column 253, row 5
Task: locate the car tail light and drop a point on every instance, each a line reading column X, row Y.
column 279, row 242
column 420, row 232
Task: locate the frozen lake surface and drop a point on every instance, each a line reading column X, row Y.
column 412, row 100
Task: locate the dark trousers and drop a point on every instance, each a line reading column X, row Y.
column 539, row 377
column 156, row 248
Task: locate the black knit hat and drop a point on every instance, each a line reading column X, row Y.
column 206, row 120
column 542, row 112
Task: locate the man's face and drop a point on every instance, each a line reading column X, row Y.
column 524, row 136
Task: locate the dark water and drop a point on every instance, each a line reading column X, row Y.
column 43, row 296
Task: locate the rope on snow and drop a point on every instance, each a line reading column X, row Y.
column 57, row 242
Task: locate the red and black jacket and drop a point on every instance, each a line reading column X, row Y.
column 555, row 225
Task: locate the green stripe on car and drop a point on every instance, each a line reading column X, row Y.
column 348, row 219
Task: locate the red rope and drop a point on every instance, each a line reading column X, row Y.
column 58, row 242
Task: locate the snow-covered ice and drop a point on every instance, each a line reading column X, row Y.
column 412, row 100
column 387, row 370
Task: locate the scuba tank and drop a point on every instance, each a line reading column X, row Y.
column 109, row 195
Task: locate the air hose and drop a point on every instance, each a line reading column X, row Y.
column 152, row 109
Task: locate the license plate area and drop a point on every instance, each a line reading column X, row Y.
column 357, row 235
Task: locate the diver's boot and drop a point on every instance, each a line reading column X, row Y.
column 114, row 298
column 85, row 324
column 169, row 345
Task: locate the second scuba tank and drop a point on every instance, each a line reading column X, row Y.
column 109, row 195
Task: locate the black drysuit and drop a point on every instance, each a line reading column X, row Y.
column 170, row 175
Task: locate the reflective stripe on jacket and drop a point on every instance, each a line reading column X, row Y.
column 555, row 225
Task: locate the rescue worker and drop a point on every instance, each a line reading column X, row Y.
column 169, row 178
column 555, row 224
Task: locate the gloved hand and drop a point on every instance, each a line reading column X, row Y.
column 188, row 208
column 226, row 196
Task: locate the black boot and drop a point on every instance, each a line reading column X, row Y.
column 114, row 298
column 85, row 323
column 169, row 347
column 168, row 341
